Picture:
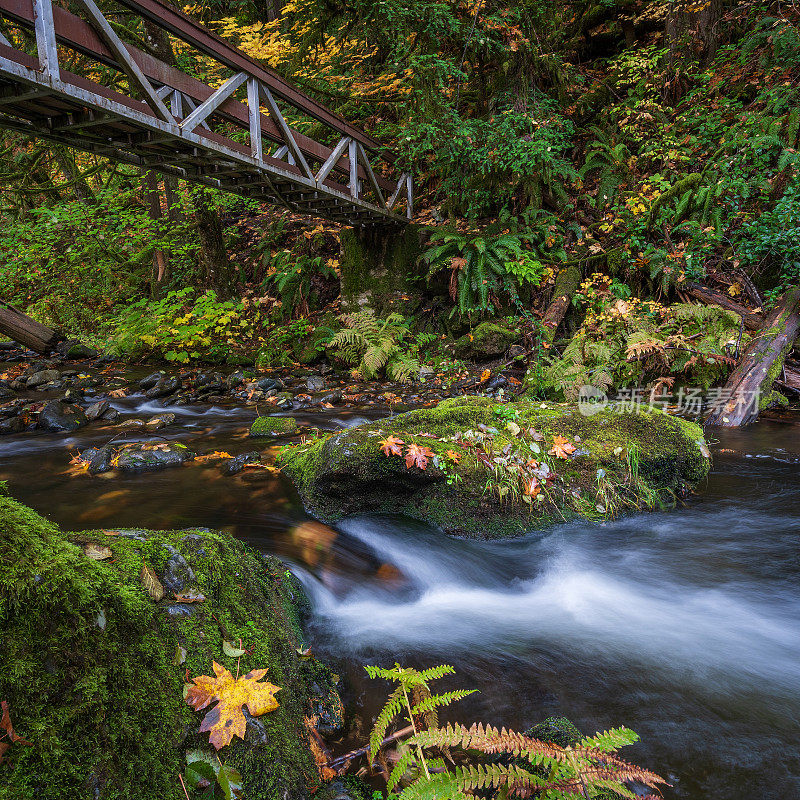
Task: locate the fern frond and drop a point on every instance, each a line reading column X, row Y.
column 441, row 700
column 407, row 759
column 391, row 709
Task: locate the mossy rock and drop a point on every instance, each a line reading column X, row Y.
column 487, row 341
column 93, row 668
column 273, row 426
column 622, row 461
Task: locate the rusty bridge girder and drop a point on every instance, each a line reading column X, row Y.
column 179, row 126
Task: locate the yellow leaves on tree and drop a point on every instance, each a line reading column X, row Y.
column 226, row 719
column 561, row 448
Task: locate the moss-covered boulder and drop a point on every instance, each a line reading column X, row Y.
column 487, row 341
column 93, row 664
column 273, row 426
column 491, row 470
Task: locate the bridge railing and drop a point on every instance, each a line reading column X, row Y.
column 172, row 105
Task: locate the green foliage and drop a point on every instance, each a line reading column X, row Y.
column 371, row 344
column 185, row 326
column 491, row 762
column 292, row 277
column 632, row 342
column 72, row 264
column 482, row 267
column 217, row 780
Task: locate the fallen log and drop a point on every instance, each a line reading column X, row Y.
column 567, row 282
column 25, row 330
column 752, row 320
column 341, row 763
column 749, row 387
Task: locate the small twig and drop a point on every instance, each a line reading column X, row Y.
column 341, row 761
column 183, row 785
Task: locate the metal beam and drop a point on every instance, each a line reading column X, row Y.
column 206, row 109
column 128, row 65
column 288, row 136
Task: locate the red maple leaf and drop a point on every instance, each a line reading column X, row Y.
column 418, row 456
column 391, row 446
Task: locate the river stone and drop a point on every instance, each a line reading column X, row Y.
column 161, row 421
column 487, row 341
column 177, row 572
column 6, row 390
column 101, row 460
column 348, row 473
column 79, row 351
column 11, row 425
column 164, row 387
column 101, row 695
column 236, row 465
column 270, row 384
column 97, row 410
column 144, row 457
column 42, row 377
column 151, row 380
column 273, row 426
column 60, row 417
column 316, row 383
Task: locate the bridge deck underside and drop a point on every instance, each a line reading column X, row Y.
column 87, row 116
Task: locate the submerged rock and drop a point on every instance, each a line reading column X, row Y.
column 273, row 426
column 107, row 700
column 147, row 457
column 493, row 470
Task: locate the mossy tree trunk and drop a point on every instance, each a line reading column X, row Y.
column 216, row 268
column 376, row 267
column 567, row 283
column 749, row 388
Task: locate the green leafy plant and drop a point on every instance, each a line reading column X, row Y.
column 481, row 267
column 208, row 774
column 293, row 278
column 458, row 762
column 371, row 344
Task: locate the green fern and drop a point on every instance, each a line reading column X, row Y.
column 510, row 765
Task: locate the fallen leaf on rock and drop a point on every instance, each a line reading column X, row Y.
column 151, row 583
column 231, row 650
column 97, row 552
column 7, row 729
column 226, row 719
column 417, row 456
column 392, row 446
column 117, row 393
column 213, row 456
column 190, row 596
column 561, row 448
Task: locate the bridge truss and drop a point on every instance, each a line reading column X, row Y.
column 165, row 120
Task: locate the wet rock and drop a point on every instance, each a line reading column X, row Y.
column 235, row 379
column 285, row 400
column 6, row 390
column 97, row 410
column 334, row 398
column 177, row 572
column 58, row 416
column 11, row 425
column 487, row 341
column 497, row 382
column 270, row 384
column 273, row 426
column 236, row 465
column 110, row 415
column 164, row 387
column 6, row 346
column 179, row 611
column 147, row 457
column 101, row 461
column 42, row 377
column 80, row 351
column 151, row 380
column 347, row 473
column 161, row 421
column 316, row 383
column 426, row 373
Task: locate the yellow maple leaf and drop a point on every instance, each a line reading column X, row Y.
column 226, row 719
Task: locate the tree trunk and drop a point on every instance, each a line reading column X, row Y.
column 752, row 320
column 692, row 30
column 216, row 268
column 21, row 328
column 749, row 387
column 72, row 173
column 567, row 282
column 160, row 273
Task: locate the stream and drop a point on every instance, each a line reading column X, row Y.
column 682, row 625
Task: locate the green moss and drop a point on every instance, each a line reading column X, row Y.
column 90, row 670
column 488, row 340
column 645, row 459
column 376, row 266
column 273, row 426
